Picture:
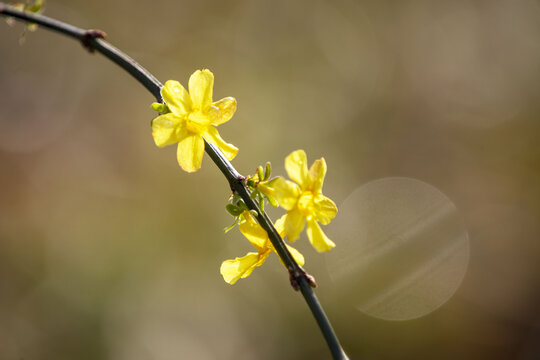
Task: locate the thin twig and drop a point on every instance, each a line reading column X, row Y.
column 92, row 40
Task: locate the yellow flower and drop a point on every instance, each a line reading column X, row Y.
column 304, row 201
column 193, row 117
column 239, row 268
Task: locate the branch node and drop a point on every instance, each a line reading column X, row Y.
column 296, row 274
column 238, row 180
column 90, row 35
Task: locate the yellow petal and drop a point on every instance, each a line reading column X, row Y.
column 266, row 188
column 317, row 172
column 190, row 151
column 197, row 122
column 296, row 167
column 325, row 209
column 222, row 111
column 176, row 97
column 286, row 193
column 164, row 129
column 256, row 235
column 212, row 136
column 233, row 270
column 297, row 256
column 318, row 238
column 305, row 203
column 201, row 85
column 294, row 224
column 280, row 225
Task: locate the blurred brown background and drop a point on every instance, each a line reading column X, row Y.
column 109, row 251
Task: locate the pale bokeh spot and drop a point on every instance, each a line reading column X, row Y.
column 402, row 251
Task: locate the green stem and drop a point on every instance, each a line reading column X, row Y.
column 91, row 39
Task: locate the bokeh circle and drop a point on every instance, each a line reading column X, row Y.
column 402, row 252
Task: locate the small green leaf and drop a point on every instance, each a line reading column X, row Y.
column 35, row 7
column 233, row 209
column 242, row 205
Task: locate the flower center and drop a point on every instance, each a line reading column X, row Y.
column 197, row 122
column 305, row 203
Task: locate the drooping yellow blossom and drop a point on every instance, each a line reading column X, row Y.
column 304, row 201
column 193, row 117
column 239, row 268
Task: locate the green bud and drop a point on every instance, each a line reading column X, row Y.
column 161, row 108
column 261, row 202
column 267, row 171
column 251, row 182
column 260, row 173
